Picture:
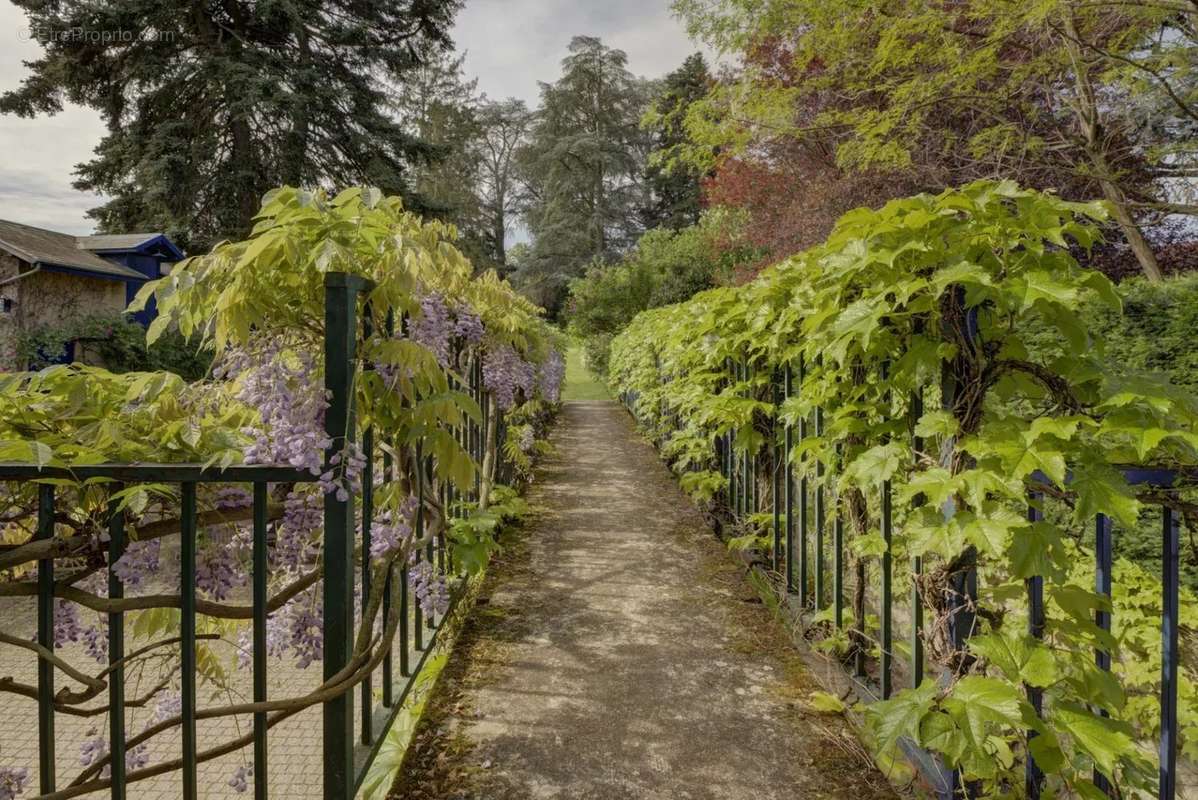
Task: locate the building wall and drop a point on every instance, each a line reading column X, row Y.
column 56, row 298
column 50, row 299
column 9, row 265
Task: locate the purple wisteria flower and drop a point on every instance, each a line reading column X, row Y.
column 282, row 385
column 467, row 325
column 433, row 328
column 95, row 641
column 550, row 375
column 390, row 530
column 430, row 588
column 307, row 635
column 296, row 544
column 298, row 626
column 138, row 563
column 240, row 780
column 218, row 570
column 169, row 706
column 66, row 623
column 505, row 373
column 93, row 748
column 12, row 782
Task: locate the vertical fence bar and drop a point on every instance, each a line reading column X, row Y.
column 887, row 599
column 404, row 636
column 776, row 493
column 340, row 339
column 1170, row 655
column 804, row 512
column 1033, row 778
column 733, row 458
column 1102, row 580
column 388, row 587
column 187, row 659
column 838, row 564
column 45, row 637
column 1102, row 585
column 417, row 617
column 738, row 456
column 915, row 412
column 388, row 660
column 116, row 651
column 838, row 550
column 725, row 440
column 750, row 457
column 259, row 556
column 428, row 550
column 788, row 480
column 820, row 516
column 366, row 689
column 480, row 426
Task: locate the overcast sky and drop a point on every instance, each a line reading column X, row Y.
column 510, row 45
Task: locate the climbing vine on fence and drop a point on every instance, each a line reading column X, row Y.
column 259, row 306
column 930, row 297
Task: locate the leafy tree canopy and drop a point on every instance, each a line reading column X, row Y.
column 1092, row 99
column 675, row 186
column 582, row 168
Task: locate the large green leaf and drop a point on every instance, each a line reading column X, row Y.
column 900, row 716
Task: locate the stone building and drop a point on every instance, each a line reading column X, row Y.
column 50, row 279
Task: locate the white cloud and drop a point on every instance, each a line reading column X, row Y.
column 40, row 154
column 513, row 44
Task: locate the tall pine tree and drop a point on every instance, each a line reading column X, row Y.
column 438, row 105
column 210, row 104
column 583, row 169
column 674, row 183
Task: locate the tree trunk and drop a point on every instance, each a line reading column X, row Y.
column 1131, row 230
column 297, row 139
column 490, row 455
column 1085, row 109
column 499, row 234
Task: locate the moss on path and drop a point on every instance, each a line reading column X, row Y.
column 619, row 653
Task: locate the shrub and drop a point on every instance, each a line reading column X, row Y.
column 121, row 344
column 666, row 267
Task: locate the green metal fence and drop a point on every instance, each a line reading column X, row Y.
column 346, row 752
column 799, row 545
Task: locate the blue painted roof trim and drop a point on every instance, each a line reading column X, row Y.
column 148, row 245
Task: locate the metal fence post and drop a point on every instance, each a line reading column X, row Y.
column 45, row 637
column 340, row 312
column 1170, row 654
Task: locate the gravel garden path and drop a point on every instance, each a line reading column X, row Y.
column 618, row 652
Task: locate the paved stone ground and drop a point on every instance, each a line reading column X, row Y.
column 292, row 743
column 617, row 652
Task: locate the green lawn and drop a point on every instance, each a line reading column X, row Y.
column 580, row 383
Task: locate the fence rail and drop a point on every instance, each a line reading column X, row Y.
column 347, row 753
